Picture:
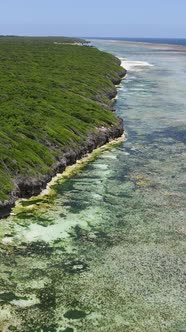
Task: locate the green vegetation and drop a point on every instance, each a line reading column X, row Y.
column 52, row 95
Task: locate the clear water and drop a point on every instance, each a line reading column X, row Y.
column 109, row 254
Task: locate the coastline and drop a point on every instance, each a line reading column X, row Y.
column 69, row 170
column 27, row 188
column 42, row 201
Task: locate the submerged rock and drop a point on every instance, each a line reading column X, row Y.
column 75, row 314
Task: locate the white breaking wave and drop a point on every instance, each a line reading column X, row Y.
column 135, row 65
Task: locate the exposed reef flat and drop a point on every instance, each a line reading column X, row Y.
column 160, row 47
column 60, row 109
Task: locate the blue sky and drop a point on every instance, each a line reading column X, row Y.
column 107, row 18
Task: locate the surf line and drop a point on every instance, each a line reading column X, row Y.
column 131, row 65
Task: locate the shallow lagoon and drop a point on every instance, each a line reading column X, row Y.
column 109, row 252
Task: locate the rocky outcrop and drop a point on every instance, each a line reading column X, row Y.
column 26, row 187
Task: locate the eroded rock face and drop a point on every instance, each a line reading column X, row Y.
column 32, row 186
column 5, row 208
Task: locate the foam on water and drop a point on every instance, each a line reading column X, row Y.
column 135, row 65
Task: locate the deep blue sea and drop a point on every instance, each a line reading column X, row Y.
column 108, row 255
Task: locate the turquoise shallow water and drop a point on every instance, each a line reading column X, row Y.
column 109, row 255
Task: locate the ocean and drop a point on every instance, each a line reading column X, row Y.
column 109, row 254
column 170, row 41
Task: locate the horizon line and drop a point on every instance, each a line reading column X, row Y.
column 91, row 37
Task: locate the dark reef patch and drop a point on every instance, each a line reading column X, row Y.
column 8, row 297
column 68, row 329
column 75, row 314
